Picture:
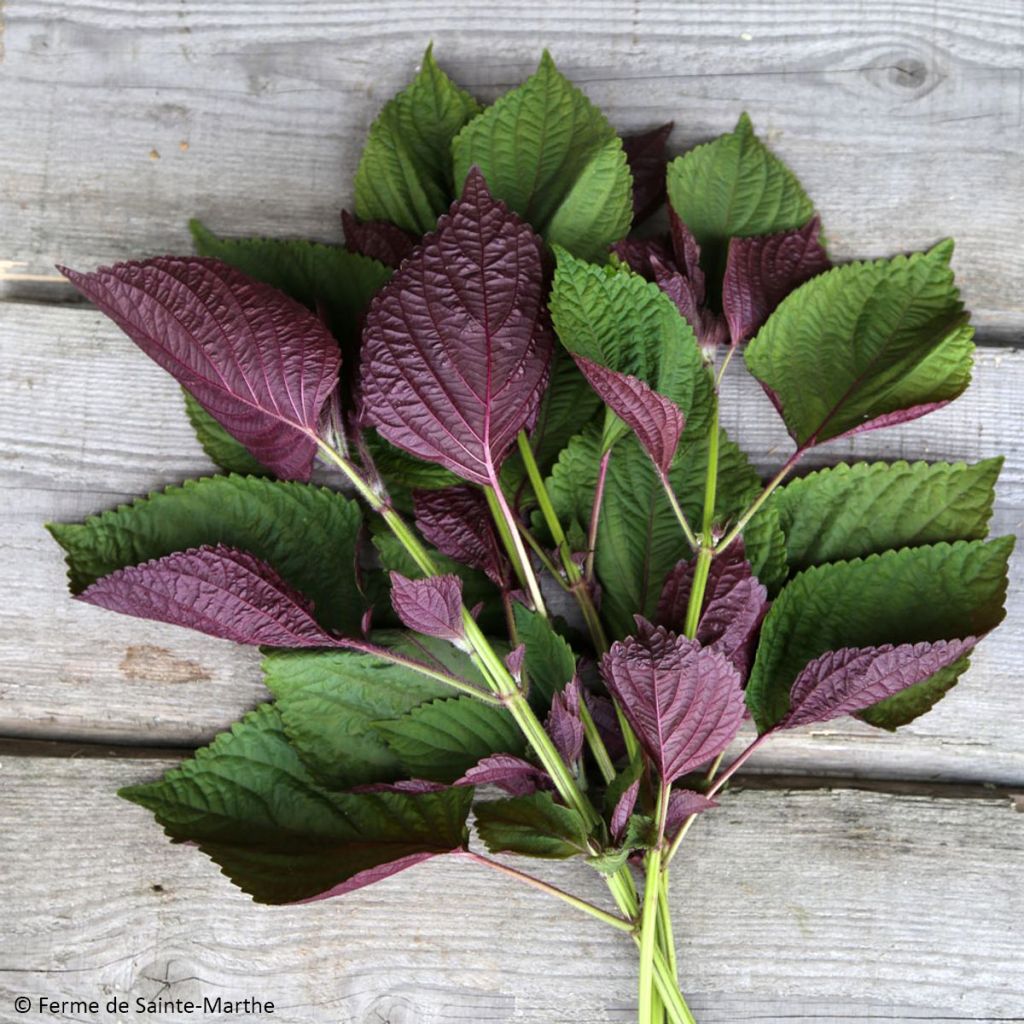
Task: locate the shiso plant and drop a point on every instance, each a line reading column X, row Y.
column 541, row 586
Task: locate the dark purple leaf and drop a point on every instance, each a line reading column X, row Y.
column 564, row 725
column 853, row 678
column 432, row 606
column 734, row 606
column 512, row 774
column 657, row 421
column 710, row 329
column 602, row 710
column 684, row 702
column 221, row 591
column 514, row 661
column 687, row 255
column 458, row 522
column 378, row 239
column 762, row 270
column 648, row 160
column 681, row 804
column 639, row 253
column 456, row 347
column 401, row 786
column 623, row 810
column 259, row 363
column 372, row 875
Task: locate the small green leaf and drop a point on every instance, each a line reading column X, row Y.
column 330, row 700
column 731, row 186
column 319, row 276
column 935, row 592
column 550, row 663
column 641, row 834
column 552, row 156
column 251, row 806
column 865, row 345
column 442, row 740
column 534, row 826
column 405, row 173
column 617, row 319
column 308, row 534
column 853, row 511
column 223, row 450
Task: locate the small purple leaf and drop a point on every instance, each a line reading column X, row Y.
column 684, row 702
column 762, row 270
column 602, row 710
column 656, row 421
column 687, row 254
column 648, row 159
column 458, row 522
column 710, row 328
column 564, row 725
column 258, row 362
column 639, row 255
column 623, row 809
column 221, row 591
column 681, row 804
column 401, row 786
column 457, row 346
column 513, row 774
column 853, row 678
column 432, row 606
column 735, row 604
column 514, row 661
column 371, row 876
column 380, row 240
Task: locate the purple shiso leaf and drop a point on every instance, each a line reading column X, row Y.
column 623, row 809
column 853, row 678
column 656, row 421
column 735, row 604
column 456, row 347
column 648, row 160
column 457, row 521
column 602, row 710
column 432, row 606
column 372, row 875
column 687, row 255
column 762, row 270
column 219, row 590
column 401, row 786
column 512, row 774
column 639, row 255
column 259, row 363
column 684, row 702
column 564, row 725
column 380, row 240
column 710, row 329
column 514, row 661
column 681, row 804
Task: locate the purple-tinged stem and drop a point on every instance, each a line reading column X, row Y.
column 595, row 516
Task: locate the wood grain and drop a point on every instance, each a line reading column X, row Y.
column 790, row 906
column 86, row 422
column 122, row 120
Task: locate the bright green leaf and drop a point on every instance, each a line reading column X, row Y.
column 534, row 826
column 865, row 344
column 552, row 156
column 405, row 173
column 330, row 700
column 852, row 511
column 442, row 740
column 308, row 534
column 251, row 806
column 734, row 185
column 936, row 592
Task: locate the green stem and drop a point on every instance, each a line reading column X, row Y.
column 574, row 901
column 684, row 523
column 740, row 523
column 595, row 515
column 668, row 942
column 650, row 912
column 508, row 529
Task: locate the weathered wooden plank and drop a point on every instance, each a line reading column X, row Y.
column 789, row 906
column 86, row 422
column 121, row 120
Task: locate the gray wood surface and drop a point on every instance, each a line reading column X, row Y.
column 115, row 679
column 122, row 120
column 790, row 906
column 119, row 120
